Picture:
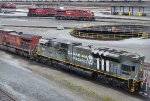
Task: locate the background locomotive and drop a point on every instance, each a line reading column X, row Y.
column 41, row 12
column 74, row 14
column 117, row 68
column 46, row 10
column 62, row 14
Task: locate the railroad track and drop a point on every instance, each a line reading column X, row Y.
column 26, row 26
column 98, row 18
column 35, row 26
column 147, row 66
column 5, row 96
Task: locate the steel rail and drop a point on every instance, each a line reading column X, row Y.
column 8, row 95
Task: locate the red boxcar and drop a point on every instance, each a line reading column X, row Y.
column 75, row 14
column 41, row 12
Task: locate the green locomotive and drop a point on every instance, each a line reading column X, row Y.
column 117, row 68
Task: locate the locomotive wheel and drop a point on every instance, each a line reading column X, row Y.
column 113, row 83
column 28, row 15
column 71, row 18
column 37, row 59
column 77, row 19
column 94, row 75
column 82, row 19
column 60, row 18
column 93, row 19
column 90, row 19
column 63, row 18
column 86, row 19
column 33, row 15
column 57, row 18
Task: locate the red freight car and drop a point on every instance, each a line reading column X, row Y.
column 8, row 5
column 75, row 14
column 41, row 12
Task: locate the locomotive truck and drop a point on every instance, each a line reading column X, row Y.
column 114, row 67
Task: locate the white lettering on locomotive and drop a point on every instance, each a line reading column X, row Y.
column 82, row 58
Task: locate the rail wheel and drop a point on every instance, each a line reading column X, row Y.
column 94, row 75
column 60, row 18
column 57, row 18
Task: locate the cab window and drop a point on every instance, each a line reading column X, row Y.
column 125, row 68
column 128, row 68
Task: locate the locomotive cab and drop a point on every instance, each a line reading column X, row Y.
column 28, row 42
column 122, row 64
column 132, row 69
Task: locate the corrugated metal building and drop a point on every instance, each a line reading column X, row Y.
column 134, row 8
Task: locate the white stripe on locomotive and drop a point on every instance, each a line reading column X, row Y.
column 102, row 64
column 107, row 65
column 98, row 63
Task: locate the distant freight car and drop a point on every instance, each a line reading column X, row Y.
column 8, row 5
column 75, row 14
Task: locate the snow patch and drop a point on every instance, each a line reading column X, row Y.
column 11, row 91
column 13, row 63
